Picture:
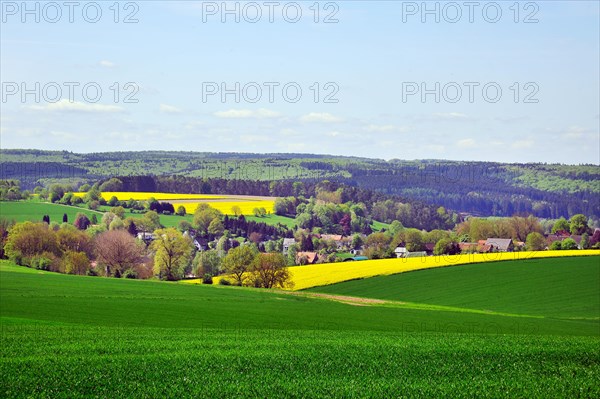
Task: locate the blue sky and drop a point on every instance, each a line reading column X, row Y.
column 367, row 61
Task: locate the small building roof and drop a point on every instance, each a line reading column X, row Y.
column 501, row 243
column 311, row 257
column 334, row 237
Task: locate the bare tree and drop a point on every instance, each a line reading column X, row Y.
column 118, row 251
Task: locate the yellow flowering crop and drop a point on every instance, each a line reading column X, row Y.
column 223, row 203
column 246, row 207
column 126, row 195
column 331, row 273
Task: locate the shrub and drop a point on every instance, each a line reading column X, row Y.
column 207, row 279
column 130, row 273
column 224, row 281
column 44, row 261
column 76, row 262
column 92, row 272
column 568, row 244
column 556, row 245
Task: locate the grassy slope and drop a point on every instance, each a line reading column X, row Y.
column 273, row 219
column 34, row 211
column 71, row 336
column 554, row 287
column 109, row 302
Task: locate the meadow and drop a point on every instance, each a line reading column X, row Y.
column 21, row 211
column 331, row 273
column 72, row 336
column 569, row 287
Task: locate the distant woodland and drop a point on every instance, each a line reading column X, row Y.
column 476, row 188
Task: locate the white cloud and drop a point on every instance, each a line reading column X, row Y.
column 333, row 133
column 323, row 117
column 576, row 132
column 65, row 105
column 450, row 115
column 261, row 113
column 466, row 143
column 107, row 64
column 169, row 109
column 192, row 125
column 521, row 144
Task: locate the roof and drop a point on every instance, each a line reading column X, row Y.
column 501, row 243
column 429, row 247
column 356, row 258
column 289, row 240
column 400, row 250
column 311, row 257
column 334, row 237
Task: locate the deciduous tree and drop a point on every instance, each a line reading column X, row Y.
column 237, row 262
column 535, row 242
column 172, row 253
column 269, row 271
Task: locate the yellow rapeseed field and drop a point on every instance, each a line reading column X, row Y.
column 127, row 195
column 246, row 207
column 223, row 203
column 331, row 273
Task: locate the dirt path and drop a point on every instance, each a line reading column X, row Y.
column 350, row 300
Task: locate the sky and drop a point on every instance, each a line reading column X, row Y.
column 488, row 81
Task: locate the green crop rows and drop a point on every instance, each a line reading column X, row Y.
column 69, row 336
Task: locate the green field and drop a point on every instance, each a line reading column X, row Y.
column 73, row 336
column 552, row 287
column 273, row 219
column 34, row 211
column 21, row 211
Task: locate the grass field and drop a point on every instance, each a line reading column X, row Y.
column 273, row 219
column 21, row 211
column 332, row 273
column 554, row 287
column 72, row 336
column 34, row 210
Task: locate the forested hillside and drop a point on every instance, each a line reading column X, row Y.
column 480, row 188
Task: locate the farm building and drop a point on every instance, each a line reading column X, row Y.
column 401, row 252
column 307, row 258
column 287, row 243
column 500, row 244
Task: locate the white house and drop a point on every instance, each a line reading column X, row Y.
column 401, row 252
column 287, row 243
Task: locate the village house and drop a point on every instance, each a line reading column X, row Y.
column 429, row 247
column 340, row 241
column 472, row 247
column 287, row 243
column 146, row 237
column 561, row 236
column 401, row 252
column 306, row 258
column 500, row 244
